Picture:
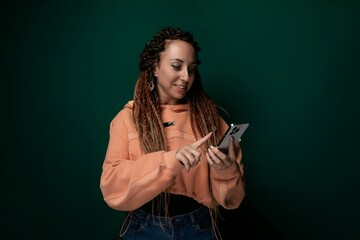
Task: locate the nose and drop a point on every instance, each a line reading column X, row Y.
column 185, row 75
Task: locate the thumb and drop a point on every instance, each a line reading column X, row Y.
column 201, row 141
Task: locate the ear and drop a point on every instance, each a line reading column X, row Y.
column 155, row 70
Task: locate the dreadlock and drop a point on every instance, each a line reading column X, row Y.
column 203, row 111
column 204, row 117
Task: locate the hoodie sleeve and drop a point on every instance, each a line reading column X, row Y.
column 127, row 183
column 227, row 185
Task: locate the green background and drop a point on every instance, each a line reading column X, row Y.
column 289, row 68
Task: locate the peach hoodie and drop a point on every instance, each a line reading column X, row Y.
column 130, row 178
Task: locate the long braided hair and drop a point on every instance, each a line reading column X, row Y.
column 146, row 107
column 204, row 117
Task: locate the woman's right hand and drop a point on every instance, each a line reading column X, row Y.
column 188, row 155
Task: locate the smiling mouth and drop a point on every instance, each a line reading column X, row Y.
column 180, row 86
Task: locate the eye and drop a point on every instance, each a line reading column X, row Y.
column 177, row 67
column 192, row 69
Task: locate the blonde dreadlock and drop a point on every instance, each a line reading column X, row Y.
column 203, row 112
column 204, row 117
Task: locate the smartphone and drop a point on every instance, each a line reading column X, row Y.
column 235, row 131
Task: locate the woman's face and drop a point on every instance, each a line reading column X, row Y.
column 175, row 72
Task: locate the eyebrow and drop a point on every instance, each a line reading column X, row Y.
column 177, row 59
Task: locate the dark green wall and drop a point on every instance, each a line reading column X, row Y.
column 289, row 68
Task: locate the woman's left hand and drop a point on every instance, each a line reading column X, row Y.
column 220, row 160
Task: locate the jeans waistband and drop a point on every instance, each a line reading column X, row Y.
column 199, row 213
column 199, row 219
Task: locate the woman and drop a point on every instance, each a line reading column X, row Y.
column 162, row 165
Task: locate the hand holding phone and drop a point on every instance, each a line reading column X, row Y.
column 235, row 131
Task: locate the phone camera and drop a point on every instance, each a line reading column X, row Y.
column 235, row 130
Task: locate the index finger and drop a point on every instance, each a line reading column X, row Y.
column 201, row 141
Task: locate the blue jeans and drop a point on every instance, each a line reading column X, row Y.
column 191, row 226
